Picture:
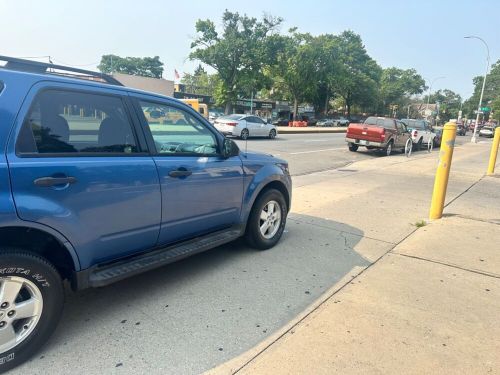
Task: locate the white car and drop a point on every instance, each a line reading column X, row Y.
column 487, row 131
column 244, row 126
column 420, row 132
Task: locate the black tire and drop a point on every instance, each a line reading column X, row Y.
column 418, row 146
column 272, row 134
column 388, row 149
column 353, row 147
column 40, row 273
column 253, row 235
column 244, row 134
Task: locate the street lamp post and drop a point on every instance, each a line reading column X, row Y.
column 474, row 138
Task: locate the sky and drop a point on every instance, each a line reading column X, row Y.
column 425, row 35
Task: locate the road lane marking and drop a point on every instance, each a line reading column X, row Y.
column 313, row 151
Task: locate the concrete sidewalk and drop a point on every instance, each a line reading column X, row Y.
column 431, row 304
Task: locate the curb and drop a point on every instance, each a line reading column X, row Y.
column 234, row 365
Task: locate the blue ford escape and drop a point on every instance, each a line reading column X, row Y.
column 99, row 182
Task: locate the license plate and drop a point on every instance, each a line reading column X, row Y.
column 362, row 142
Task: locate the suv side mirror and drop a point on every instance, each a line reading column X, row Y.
column 229, row 148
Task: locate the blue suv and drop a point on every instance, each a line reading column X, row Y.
column 99, row 182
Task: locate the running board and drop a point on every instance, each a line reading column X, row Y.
column 111, row 273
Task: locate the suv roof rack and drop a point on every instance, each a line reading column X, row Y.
column 31, row 66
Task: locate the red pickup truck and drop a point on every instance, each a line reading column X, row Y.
column 383, row 133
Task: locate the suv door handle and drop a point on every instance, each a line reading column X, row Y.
column 53, row 181
column 180, row 173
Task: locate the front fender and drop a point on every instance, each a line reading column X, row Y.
column 257, row 181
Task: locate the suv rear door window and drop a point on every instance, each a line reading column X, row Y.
column 73, row 122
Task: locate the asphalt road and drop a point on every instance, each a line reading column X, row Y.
column 190, row 316
column 308, row 153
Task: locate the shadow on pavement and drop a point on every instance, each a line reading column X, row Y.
column 192, row 315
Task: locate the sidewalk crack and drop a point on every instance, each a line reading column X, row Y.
column 484, row 273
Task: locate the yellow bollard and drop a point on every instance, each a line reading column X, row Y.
column 443, row 170
column 494, row 152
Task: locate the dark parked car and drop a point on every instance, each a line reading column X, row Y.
column 94, row 189
column 461, row 129
column 281, row 122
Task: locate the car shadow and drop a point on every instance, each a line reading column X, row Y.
column 207, row 308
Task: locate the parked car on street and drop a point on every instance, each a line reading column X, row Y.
column 281, row 122
column 245, row 126
column 341, row 121
column 420, row 131
column 438, row 130
column 487, row 131
column 383, row 133
column 461, row 129
column 99, row 182
column 326, row 122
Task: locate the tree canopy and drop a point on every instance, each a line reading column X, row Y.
column 237, row 52
column 141, row 66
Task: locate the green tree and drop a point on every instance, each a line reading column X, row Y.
column 140, row 66
column 357, row 80
column 200, row 82
column 449, row 103
column 491, row 91
column 293, row 67
column 237, row 53
column 397, row 86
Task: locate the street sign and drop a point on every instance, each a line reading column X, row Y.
column 485, row 109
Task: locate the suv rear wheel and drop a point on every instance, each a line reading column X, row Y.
column 31, row 302
column 267, row 220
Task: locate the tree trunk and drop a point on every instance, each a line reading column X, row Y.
column 229, row 108
column 348, row 109
column 295, row 109
column 326, row 105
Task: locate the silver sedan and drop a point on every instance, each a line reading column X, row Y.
column 244, row 126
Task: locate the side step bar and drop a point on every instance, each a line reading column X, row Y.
column 110, row 273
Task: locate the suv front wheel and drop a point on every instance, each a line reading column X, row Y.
column 31, row 302
column 267, row 220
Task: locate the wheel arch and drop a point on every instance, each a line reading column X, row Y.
column 43, row 242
